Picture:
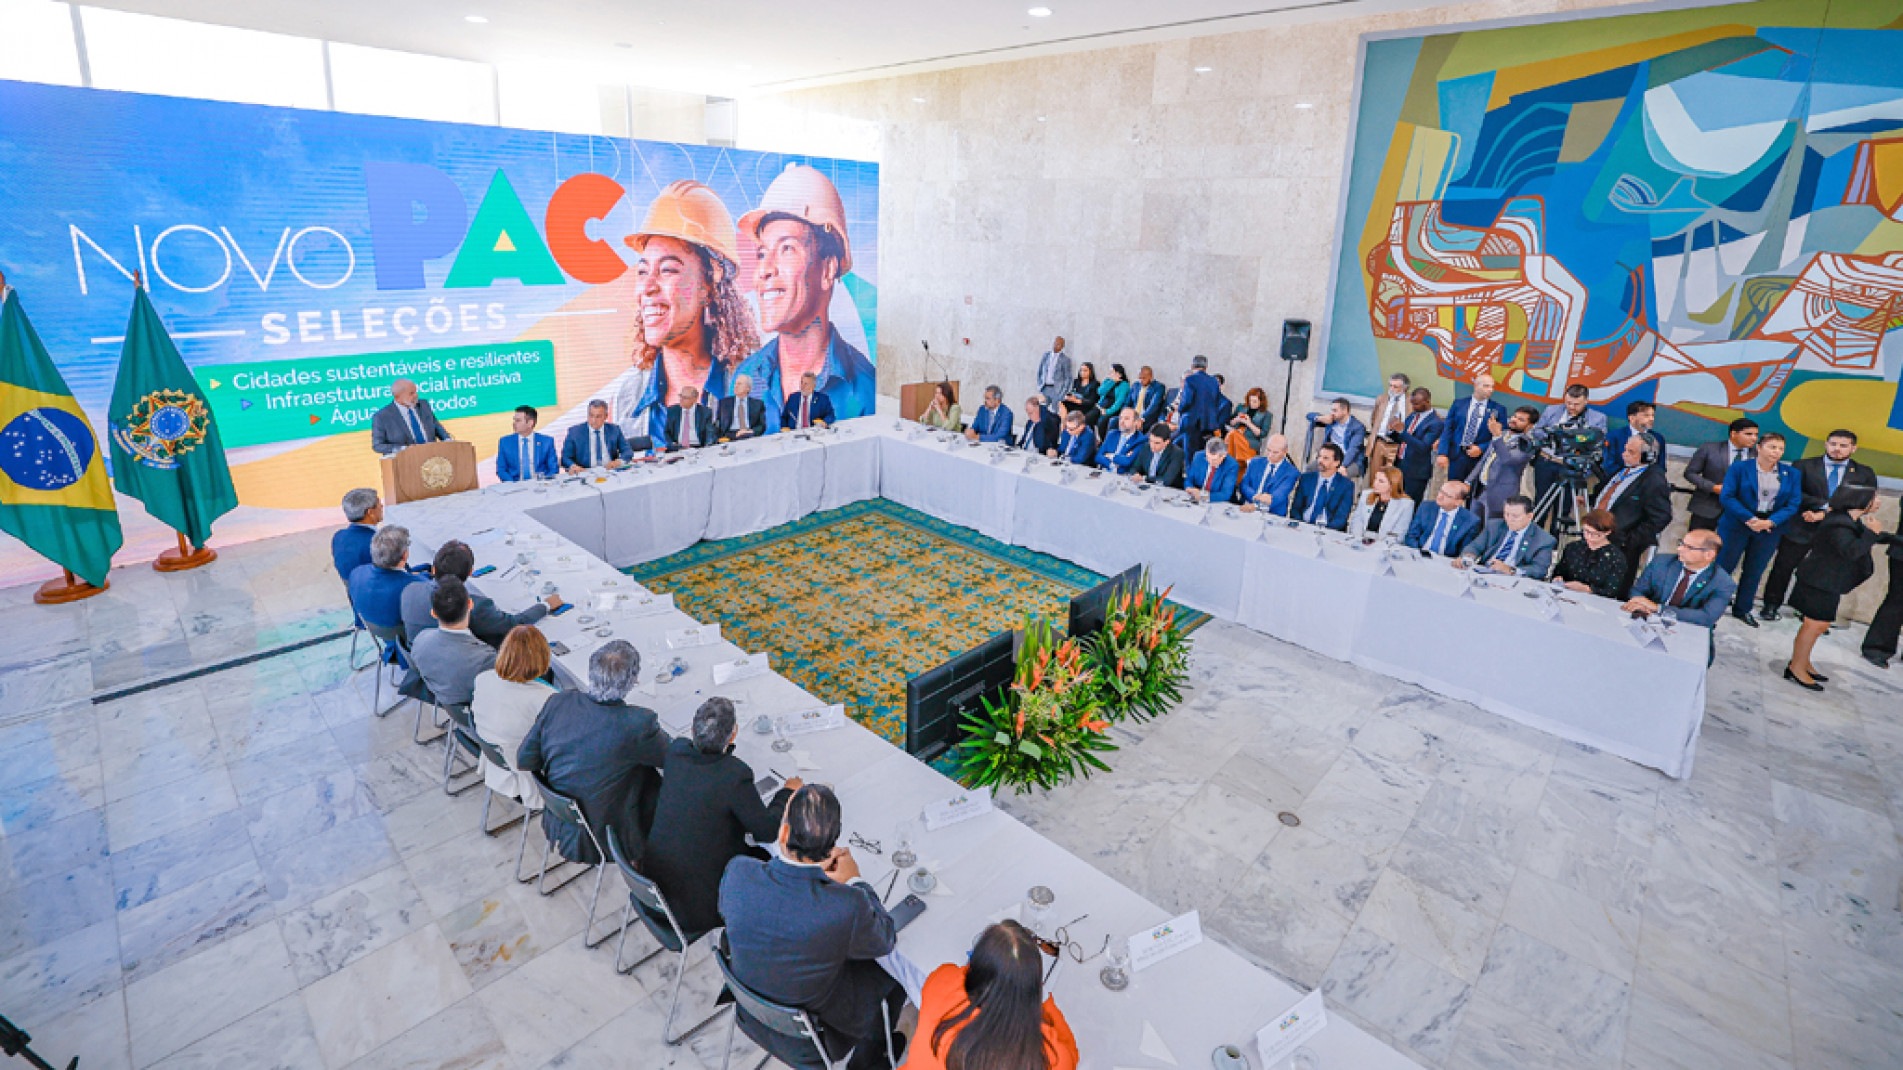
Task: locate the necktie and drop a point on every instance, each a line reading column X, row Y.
column 1438, row 543
column 1210, row 479
column 1611, row 493
column 687, row 427
column 1678, row 592
column 1508, row 549
column 1836, row 475
column 416, row 427
column 1475, row 410
column 1155, row 459
column 528, row 465
column 1737, row 454
column 1321, row 496
column 594, row 458
column 1413, row 422
column 806, row 402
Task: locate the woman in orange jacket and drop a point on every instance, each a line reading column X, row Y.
column 991, row 1014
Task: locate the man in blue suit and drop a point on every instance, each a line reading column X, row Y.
column 1158, row 460
column 1212, row 473
column 689, row 425
column 1326, row 496
column 1449, row 527
column 806, row 930
column 992, row 421
column 1511, row 544
column 597, row 443
column 350, row 546
column 1199, row 402
column 808, row 408
column 1119, row 450
column 1755, row 515
column 1270, row 480
column 1420, row 433
column 1340, row 427
column 1146, row 397
column 1688, row 583
column 1464, row 436
column 1077, row 443
column 376, row 588
column 1039, row 434
column 526, row 454
column 1640, row 416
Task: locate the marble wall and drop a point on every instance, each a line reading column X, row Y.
column 1118, row 197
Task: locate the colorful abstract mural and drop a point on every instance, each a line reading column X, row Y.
column 1702, row 208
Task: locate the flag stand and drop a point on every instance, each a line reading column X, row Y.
column 70, row 589
column 184, row 557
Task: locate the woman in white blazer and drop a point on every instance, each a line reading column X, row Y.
column 507, row 701
column 1383, row 511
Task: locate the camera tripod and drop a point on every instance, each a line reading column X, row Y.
column 1560, row 508
column 14, row 1041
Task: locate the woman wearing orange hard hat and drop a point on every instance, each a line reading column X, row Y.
column 692, row 327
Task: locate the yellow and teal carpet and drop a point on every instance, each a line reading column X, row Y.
column 852, row 603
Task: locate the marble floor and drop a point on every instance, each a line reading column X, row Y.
column 248, row 870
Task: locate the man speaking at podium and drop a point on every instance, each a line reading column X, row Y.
column 405, row 421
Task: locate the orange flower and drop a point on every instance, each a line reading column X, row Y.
column 1117, row 629
column 1020, row 730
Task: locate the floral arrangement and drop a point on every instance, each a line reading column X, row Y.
column 1139, row 661
column 1048, row 730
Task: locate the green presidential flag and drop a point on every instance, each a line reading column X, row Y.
column 165, row 447
column 54, row 495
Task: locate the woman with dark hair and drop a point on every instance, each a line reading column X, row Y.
column 1249, row 426
column 1839, row 560
column 1591, row 564
column 943, row 412
column 1111, row 398
column 1083, row 393
column 992, row 1014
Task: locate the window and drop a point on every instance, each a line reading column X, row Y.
column 535, row 97
column 376, row 81
column 145, row 54
column 36, row 42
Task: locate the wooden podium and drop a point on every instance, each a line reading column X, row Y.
column 915, row 398
column 429, row 471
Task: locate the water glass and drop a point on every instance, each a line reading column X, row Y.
column 781, row 744
column 1668, row 616
column 1037, row 909
column 1115, row 974
column 904, row 851
column 1304, row 1059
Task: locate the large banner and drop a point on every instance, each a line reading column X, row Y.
column 304, row 260
column 1702, row 208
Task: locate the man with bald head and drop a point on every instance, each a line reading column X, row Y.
column 405, row 421
column 1465, row 434
column 1270, row 479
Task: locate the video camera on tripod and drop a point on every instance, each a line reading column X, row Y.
column 1574, row 445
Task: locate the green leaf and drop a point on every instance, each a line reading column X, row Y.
column 1027, row 747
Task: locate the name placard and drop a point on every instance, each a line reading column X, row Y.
column 651, row 605
column 1279, row 1039
column 961, row 807
column 746, row 668
column 698, row 635
column 817, row 719
column 1152, row 946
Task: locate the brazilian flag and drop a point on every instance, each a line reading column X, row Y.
column 54, row 495
column 165, row 447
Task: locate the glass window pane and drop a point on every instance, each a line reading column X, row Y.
column 146, row 54
column 377, row 81
column 36, row 42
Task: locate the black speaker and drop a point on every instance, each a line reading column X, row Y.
column 1295, row 339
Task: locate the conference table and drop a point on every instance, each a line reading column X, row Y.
column 1203, row 996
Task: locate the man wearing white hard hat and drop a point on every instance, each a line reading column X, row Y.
column 803, row 252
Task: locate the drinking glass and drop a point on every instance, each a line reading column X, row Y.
column 1115, row 974
column 904, row 854
column 1037, row 909
column 1304, row 1059
column 1668, row 616
column 781, row 743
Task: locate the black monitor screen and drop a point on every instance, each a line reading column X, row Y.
column 937, row 700
column 1088, row 609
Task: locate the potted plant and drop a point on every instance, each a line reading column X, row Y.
column 1049, row 728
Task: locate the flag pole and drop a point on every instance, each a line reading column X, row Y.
column 185, row 557
column 70, row 589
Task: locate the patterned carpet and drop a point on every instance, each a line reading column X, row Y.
column 853, row 602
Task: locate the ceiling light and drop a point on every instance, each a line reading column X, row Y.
column 1204, row 70
column 1039, row 12
column 1305, row 105
column 477, row 19
column 743, row 66
column 1042, row 119
column 624, row 44
column 918, row 100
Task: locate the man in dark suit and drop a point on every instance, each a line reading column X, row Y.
column 454, row 560
column 1339, row 426
column 689, row 425
column 601, row 752
column 1706, row 471
column 1326, row 496
column 1200, row 403
column 1269, row 483
column 1077, row 443
column 405, row 421
column 1640, row 418
column 807, row 931
column 1879, row 642
column 376, row 589
column 1119, row 449
column 1464, row 435
column 808, row 408
column 992, row 421
column 707, row 809
column 1511, row 544
column 597, row 443
column 741, row 416
column 526, row 454
column 1158, row 460
column 1039, row 433
column 350, row 546
column 1447, row 528
column 1146, row 397
column 1822, row 476
column 1212, row 473
column 1640, row 501
column 1420, row 433
column 1689, row 583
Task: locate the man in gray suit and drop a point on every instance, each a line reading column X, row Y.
column 447, row 656
column 1511, row 544
column 405, row 421
column 1502, row 467
column 1053, row 375
column 487, row 622
column 1706, row 470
